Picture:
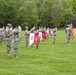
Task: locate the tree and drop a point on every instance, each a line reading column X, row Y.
column 37, row 12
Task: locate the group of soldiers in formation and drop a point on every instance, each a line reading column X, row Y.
column 39, row 34
column 12, row 35
column 69, row 33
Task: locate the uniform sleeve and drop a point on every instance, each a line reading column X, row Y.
column 16, row 31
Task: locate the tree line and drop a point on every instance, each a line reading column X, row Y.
column 46, row 13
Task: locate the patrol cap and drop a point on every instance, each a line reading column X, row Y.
column 9, row 24
column 26, row 27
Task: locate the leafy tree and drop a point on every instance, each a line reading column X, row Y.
column 37, row 12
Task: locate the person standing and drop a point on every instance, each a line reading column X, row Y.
column 8, row 35
column 54, row 30
column 72, row 32
column 27, row 36
column 68, row 34
column 1, row 35
column 16, row 40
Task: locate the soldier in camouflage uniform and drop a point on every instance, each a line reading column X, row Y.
column 54, row 34
column 1, row 35
column 16, row 40
column 8, row 35
column 68, row 34
column 27, row 36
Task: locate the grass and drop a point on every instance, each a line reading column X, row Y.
column 48, row 59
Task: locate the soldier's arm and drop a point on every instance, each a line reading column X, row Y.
column 16, row 31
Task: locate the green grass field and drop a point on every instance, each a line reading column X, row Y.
column 48, row 59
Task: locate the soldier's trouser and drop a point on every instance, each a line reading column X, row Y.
column 15, row 52
column 8, row 45
column 0, row 39
column 27, row 40
column 54, row 39
column 15, row 46
column 67, row 39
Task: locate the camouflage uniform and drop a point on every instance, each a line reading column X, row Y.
column 1, row 35
column 68, row 34
column 8, row 35
column 27, row 37
column 54, row 34
column 16, row 40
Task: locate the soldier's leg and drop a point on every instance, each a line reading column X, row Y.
column 38, row 43
column 26, row 42
column 67, row 39
column 15, row 52
column 8, row 45
column 36, row 46
column 0, row 39
column 15, row 46
column 54, row 39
